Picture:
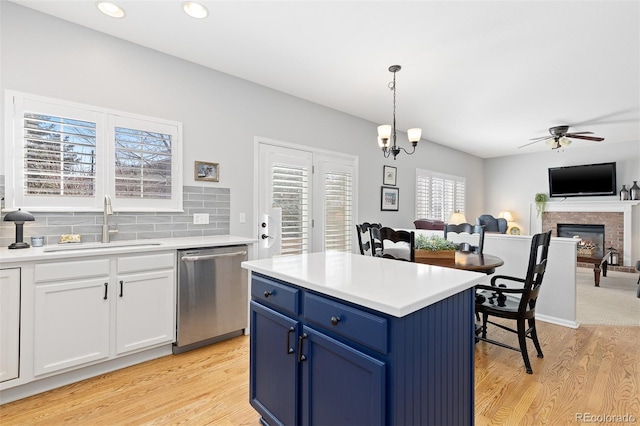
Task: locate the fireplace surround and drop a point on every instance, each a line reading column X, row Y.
column 615, row 215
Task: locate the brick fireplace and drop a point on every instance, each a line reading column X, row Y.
column 616, row 216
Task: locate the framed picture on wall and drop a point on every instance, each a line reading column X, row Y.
column 389, row 175
column 207, row 171
column 389, row 198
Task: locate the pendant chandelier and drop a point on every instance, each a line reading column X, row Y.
column 387, row 133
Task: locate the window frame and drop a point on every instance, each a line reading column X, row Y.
column 18, row 103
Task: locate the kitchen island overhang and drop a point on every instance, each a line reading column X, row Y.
column 400, row 335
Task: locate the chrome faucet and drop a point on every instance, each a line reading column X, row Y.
column 108, row 210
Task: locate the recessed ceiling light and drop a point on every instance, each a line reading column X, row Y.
column 111, row 9
column 195, row 10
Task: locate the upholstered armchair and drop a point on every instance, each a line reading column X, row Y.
column 492, row 224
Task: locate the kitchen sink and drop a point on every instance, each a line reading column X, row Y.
column 90, row 246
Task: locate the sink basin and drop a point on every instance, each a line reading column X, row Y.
column 89, row 246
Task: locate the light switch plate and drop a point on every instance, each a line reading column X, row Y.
column 201, row 218
column 243, row 218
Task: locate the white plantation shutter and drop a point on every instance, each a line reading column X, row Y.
column 338, row 188
column 438, row 195
column 291, row 194
column 143, row 163
column 68, row 156
column 59, row 156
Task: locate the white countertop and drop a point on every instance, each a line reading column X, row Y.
column 117, row 247
column 391, row 286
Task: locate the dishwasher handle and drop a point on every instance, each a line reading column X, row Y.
column 212, row 256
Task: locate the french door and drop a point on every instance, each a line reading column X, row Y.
column 306, row 200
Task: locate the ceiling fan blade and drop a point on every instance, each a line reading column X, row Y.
column 588, row 138
column 578, row 133
column 540, row 138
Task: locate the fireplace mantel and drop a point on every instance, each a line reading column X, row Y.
column 624, row 207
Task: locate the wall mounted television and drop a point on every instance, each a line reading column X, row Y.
column 583, row 181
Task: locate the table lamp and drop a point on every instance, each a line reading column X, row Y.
column 457, row 218
column 19, row 218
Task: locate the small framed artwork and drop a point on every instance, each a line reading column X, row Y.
column 389, row 198
column 389, row 175
column 209, row 172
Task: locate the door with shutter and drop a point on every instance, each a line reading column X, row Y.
column 285, row 197
column 301, row 211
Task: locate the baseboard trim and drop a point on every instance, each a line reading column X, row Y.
column 557, row 321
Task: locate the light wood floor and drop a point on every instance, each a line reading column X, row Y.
column 594, row 369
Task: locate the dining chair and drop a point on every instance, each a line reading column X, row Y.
column 517, row 302
column 492, row 224
column 364, row 239
column 468, row 237
column 400, row 244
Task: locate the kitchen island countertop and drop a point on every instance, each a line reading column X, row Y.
column 394, row 287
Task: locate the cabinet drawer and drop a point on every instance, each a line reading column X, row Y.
column 151, row 262
column 45, row 272
column 352, row 323
column 275, row 294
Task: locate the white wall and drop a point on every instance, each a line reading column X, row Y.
column 512, row 182
column 221, row 114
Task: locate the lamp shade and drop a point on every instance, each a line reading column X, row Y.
column 414, row 134
column 384, row 131
column 19, row 216
column 457, row 218
column 506, row 215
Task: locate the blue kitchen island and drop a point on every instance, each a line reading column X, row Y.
column 344, row 339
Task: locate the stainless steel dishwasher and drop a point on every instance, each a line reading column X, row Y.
column 212, row 296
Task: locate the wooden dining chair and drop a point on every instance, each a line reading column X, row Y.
column 468, row 238
column 397, row 251
column 517, row 302
column 364, row 239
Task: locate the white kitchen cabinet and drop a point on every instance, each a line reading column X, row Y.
column 72, row 314
column 9, row 323
column 101, row 308
column 145, row 302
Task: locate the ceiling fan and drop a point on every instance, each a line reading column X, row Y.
column 559, row 137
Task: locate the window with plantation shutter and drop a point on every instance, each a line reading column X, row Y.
column 338, row 211
column 438, row 195
column 65, row 156
column 59, row 156
column 143, row 163
column 291, row 194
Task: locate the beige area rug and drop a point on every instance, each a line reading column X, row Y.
column 613, row 303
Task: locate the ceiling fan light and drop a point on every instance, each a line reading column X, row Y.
column 414, row 134
column 564, row 141
column 551, row 142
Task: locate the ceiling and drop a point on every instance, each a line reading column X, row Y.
column 482, row 77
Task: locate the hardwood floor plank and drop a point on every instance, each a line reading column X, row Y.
column 594, row 369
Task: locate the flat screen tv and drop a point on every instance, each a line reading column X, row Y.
column 583, row 181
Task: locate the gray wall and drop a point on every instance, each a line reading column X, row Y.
column 221, row 114
column 516, row 179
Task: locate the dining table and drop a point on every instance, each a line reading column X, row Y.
column 467, row 261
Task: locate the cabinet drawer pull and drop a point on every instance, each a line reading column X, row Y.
column 267, row 293
column 121, row 287
column 289, row 348
column 335, row 320
column 106, row 287
column 301, row 357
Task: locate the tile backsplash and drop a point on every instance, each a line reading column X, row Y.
column 130, row 225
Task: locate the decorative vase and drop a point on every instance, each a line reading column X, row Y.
column 624, row 193
column 634, row 191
